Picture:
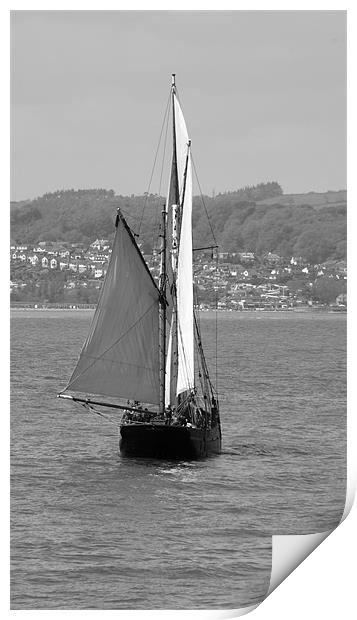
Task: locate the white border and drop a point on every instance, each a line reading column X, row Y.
column 323, row 585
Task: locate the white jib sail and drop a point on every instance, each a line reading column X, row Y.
column 185, row 379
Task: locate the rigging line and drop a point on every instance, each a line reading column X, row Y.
column 198, row 361
column 181, row 364
column 198, row 337
column 154, row 164
column 97, row 412
column 201, row 351
column 154, row 230
column 186, row 367
column 178, row 96
column 216, row 324
column 203, row 202
column 127, row 214
column 109, row 348
column 164, row 152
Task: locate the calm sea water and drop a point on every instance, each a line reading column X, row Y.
column 93, row 530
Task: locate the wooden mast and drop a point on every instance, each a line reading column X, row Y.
column 175, row 193
column 162, row 315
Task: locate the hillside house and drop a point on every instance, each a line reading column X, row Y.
column 272, row 259
column 341, row 299
column 208, row 267
column 76, row 245
column 44, row 262
column 70, row 284
column 246, row 257
column 96, row 257
column 297, row 261
column 100, row 244
column 341, row 267
column 33, row 259
column 53, row 263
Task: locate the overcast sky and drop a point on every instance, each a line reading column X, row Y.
column 263, row 93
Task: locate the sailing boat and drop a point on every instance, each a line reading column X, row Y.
column 144, row 337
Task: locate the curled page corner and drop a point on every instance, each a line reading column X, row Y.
column 288, row 551
column 350, row 494
column 234, row 613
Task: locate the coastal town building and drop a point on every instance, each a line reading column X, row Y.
column 238, row 281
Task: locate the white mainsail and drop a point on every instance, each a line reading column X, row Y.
column 185, row 379
column 120, row 356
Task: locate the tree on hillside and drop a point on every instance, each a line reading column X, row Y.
column 238, row 220
column 314, row 246
column 326, row 289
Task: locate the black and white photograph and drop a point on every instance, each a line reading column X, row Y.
column 178, row 303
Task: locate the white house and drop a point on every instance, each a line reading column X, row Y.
column 100, row 244
column 33, row 259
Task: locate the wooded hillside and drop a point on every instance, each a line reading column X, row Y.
column 257, row 219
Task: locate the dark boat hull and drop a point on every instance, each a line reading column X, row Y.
column 168, row 441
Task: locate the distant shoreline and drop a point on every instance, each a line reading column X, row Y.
column 92, row 307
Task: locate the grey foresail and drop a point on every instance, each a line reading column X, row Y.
column 120, row 355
